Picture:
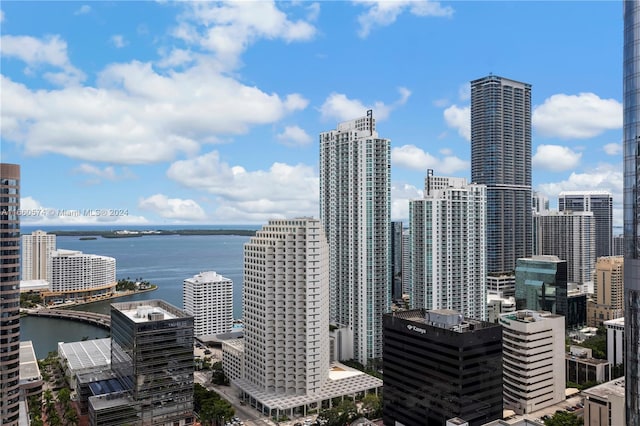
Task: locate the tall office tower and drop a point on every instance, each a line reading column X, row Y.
column 406, row 262
column 540, row 202
column 501, row 160
column 286, row 309
column 448, row 246
column 438, row 365
column 608, row 288
column 208, row 297
column 37, row 249
column 9, row 293
column 152, row 358
column 618, row 245
column 355, row 210
column 571, row 237
column 396, row 260
column 541, row 285
column 601, row 204
column 631, row 131
column 533, row 361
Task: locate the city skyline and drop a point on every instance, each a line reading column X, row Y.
column 156, row 111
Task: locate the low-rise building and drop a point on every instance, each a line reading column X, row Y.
column 604, row 404
column 615, row 341
column 582, row 368
column 30, row 378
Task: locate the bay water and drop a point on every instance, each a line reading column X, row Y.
column 163, row 260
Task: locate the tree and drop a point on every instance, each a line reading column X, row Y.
column 372, row 406
column 563, row 418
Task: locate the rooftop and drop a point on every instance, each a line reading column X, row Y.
column 443, row 318
column 86, row 354
column 529, row 316
column 614, row 387
column 207, row 277
column 29, row 370
column 149, row 310
column 616, row 321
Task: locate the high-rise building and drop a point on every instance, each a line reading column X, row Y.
column 533, row 361
column 152, row 359
column 77, row 275
column 406, row 262
column 570, row 236
column 448, row 246
column 9, row 293
column 501, row 160
column 541, row 285
column 286, row 309
column 355, row 210
column 397, row 257
column 631, row 135
column 540, row 202
column 601, row 204
column 618, row 245
column 208, row 297
column 37, row 249
column 608, row 289
column 439, row 365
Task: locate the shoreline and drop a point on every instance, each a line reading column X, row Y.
column 142, row 233
column 114, row 296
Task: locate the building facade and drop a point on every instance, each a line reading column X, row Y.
column 152, row 358
column 355, row 211
column 501, row 160
column 604, row 404
column 397, row 257
column 208, row 297
column 533, row 360
column 583, row 369
column 503, row 285
column 615, row 341
column 448, row 247
column 438, row 365
column 76, row 275
column 570, row 236
column 37, row 249
column 608, row 286
column 286, row 308
column 9, row 293
column 601, row 204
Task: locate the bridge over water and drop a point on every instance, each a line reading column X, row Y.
column 99, row 320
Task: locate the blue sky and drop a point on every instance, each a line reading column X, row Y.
column 209, row 112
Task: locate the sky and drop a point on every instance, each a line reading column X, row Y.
column 145, row 113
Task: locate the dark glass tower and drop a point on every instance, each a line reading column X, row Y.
column 9, row 293
column 438, row 366
column 501, row 159
column 396, row 260
column 631, row 128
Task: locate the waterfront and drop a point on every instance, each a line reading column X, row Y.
column 164, row 260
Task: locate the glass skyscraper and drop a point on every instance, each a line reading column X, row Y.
column 601, row 204
column 631, row 129
column 501, row 160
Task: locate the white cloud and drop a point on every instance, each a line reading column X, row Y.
column 313, row 11
column 382, row 13
column 118, row 41
column 414, row 158
column 34, row 213
column 576, row 116
column 36, row 53
column 1, row 16
column 228, row 28
column 401, row 194
column 173, row 208
column 107, row 173
column 339, row 107
column 464, row 92
column 613, row 148
column 137, row 116
column 555, row 158
column 460, row 119
column 253, row 196
column 605, row 177
column 294, row 136
column 83, row 10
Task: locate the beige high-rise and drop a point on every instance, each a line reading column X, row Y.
column 9, row 293
column 37, row 249
column 608, row 289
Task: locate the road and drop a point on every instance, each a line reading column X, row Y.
column 248, row 415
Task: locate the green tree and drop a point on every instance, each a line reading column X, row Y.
column 563, row 418
column 372, row 406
